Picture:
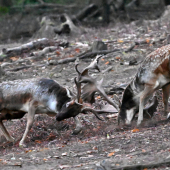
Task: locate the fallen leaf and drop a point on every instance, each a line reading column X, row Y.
column 89, row 151
column 102, row 59
column 120, row 41
column 14, row 58
column 79, row 165
column 49, row 58
column 70, row 55
column 135, row 130
column 145, row 168
column 107, row 62
column 77, row 50
column 117, row 58
column 58, row 53
column 111, row 154
column 94, row 148
column 147, row 40
column 28, row 151
column 45, row 159
column 98, row 97
column 143, row 150
column 38, row 141
column 1, row 160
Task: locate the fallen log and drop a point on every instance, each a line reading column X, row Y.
column 40, row 43
column 111, row 166
column 39, row 54
column 25, row 48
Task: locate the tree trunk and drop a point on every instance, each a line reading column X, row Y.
column 106, row 12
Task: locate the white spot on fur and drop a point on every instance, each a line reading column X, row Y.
column 52, row 103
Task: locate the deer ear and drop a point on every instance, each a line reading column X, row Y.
column 116, row 98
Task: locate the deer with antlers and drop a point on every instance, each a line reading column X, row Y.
column 153, row 74
column 41, row 95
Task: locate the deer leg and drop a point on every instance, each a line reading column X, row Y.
column 145, row 94
column 165, row 90
column 5, row 132
column 30, row 119
column 78, row 126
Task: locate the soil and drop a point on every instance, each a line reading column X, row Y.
column 101, row 144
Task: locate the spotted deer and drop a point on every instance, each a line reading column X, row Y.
column 42, row 95
column 153, row 74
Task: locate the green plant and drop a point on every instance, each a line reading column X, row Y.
column 4, row 10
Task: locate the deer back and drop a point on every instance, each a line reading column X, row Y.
column 46, row 94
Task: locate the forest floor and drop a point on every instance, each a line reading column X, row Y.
column 101, row 144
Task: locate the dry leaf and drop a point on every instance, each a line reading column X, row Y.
column 145, row 168
column 147, row 40
column 28, row 151
column 38, row 141
column 102, row 59
column 120, row 41
column 58, row 53
column 70, row 55
column 94, row 148
column 77, row 50
column 111, row 154
column 117, row 58
column 89, row 151
column 107, row 62
column 1, row 160
column 45, row 159
column 14, row 58
column 143, row 150
column 135, row 130
column 98, row 97
column 79, row 165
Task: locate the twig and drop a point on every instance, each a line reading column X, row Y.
column 25, row 67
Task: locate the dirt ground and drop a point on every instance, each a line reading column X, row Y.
column 101, row 144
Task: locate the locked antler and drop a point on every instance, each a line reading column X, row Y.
column 90, row 88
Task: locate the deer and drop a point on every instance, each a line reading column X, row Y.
column 153, row 74
column 46, row 96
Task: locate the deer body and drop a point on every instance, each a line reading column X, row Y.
column 153, row 74
column 34, row 96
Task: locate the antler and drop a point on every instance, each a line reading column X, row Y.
column 95, row 112
column 91, row 86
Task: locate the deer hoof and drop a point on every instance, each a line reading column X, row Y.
column 139, row 122
column 22, row 145
column 77, row 131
